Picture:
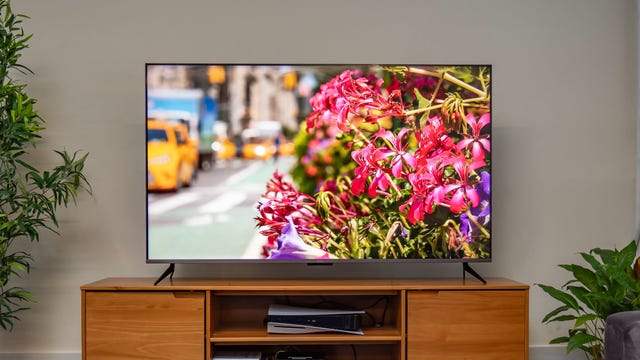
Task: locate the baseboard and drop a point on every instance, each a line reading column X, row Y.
column 549, row 352
column 545, row 352
column 41, row 356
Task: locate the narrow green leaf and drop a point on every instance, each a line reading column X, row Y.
column 555, row 312
column 595, row 264
column 559, row 340
column 563, row 318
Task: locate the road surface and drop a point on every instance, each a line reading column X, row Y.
column 214, row 218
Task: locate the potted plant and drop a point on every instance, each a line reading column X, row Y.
column 29, row 197
column 606, row 286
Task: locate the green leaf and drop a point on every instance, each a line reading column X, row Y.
column 561, row 296
column 628, row 254
column 583, row 319
column 606, row 255
column 568, row 267
column 591, row 260
column 582, row 294
column 559, row 340
column 563, row 318
column 26, row 165
column 579, row 340
column 624, row 279
column 587, row 277
column 555, row 312
column 422, row 101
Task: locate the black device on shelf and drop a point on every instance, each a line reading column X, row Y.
column 295, row 355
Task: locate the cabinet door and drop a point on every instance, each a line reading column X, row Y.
column 144, row 325
column 467, row 324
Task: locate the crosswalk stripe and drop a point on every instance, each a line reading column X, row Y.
column 223, row 203
column 161, row 206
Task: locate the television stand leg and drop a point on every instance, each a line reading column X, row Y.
column 169, row 272
column 466, row 268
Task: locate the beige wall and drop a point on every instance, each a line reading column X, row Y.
column 564, row 122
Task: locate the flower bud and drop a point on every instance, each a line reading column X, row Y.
column 353, row 239
column 323, row 204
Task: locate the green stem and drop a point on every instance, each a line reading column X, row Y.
column 433, row 96
column 484, row 84
column 339, row 204
column 404, row 222
column 450, row 78
column 338, row 245
column 476, row 223
column 422, row 110
column 394, row 186
column 465, row 102
column 450, row 222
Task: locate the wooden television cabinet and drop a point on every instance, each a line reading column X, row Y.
column 415, row 319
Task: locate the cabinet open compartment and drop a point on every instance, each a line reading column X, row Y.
column 240, row 318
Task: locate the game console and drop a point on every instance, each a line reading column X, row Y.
column 285, row 319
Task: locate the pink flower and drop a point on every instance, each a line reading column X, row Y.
column 398, row 152
column 421, row 200
column 281, row 200
column 433, row 140
column 464, row 191
column 358, row 98
column 328, row 104
column 366, row 166
column 479, row 143
column 367, row 159
column 428, row 190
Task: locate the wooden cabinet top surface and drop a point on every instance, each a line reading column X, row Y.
column 188, row 284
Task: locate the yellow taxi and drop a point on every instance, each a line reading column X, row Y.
column 258, row 148
column 224, row 148
column 188, row 151
column 265, row 140
column 265, row 148
column 172, row 157
column 286, row 148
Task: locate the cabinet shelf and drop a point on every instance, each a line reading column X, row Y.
column 260, row 336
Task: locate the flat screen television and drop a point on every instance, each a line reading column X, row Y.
column 318, row 163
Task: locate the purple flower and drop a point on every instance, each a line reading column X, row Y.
column 291, row 247
column 482, row 212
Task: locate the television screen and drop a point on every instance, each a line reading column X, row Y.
column 307, row 162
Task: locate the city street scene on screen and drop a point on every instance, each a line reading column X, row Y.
column 283, row 162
